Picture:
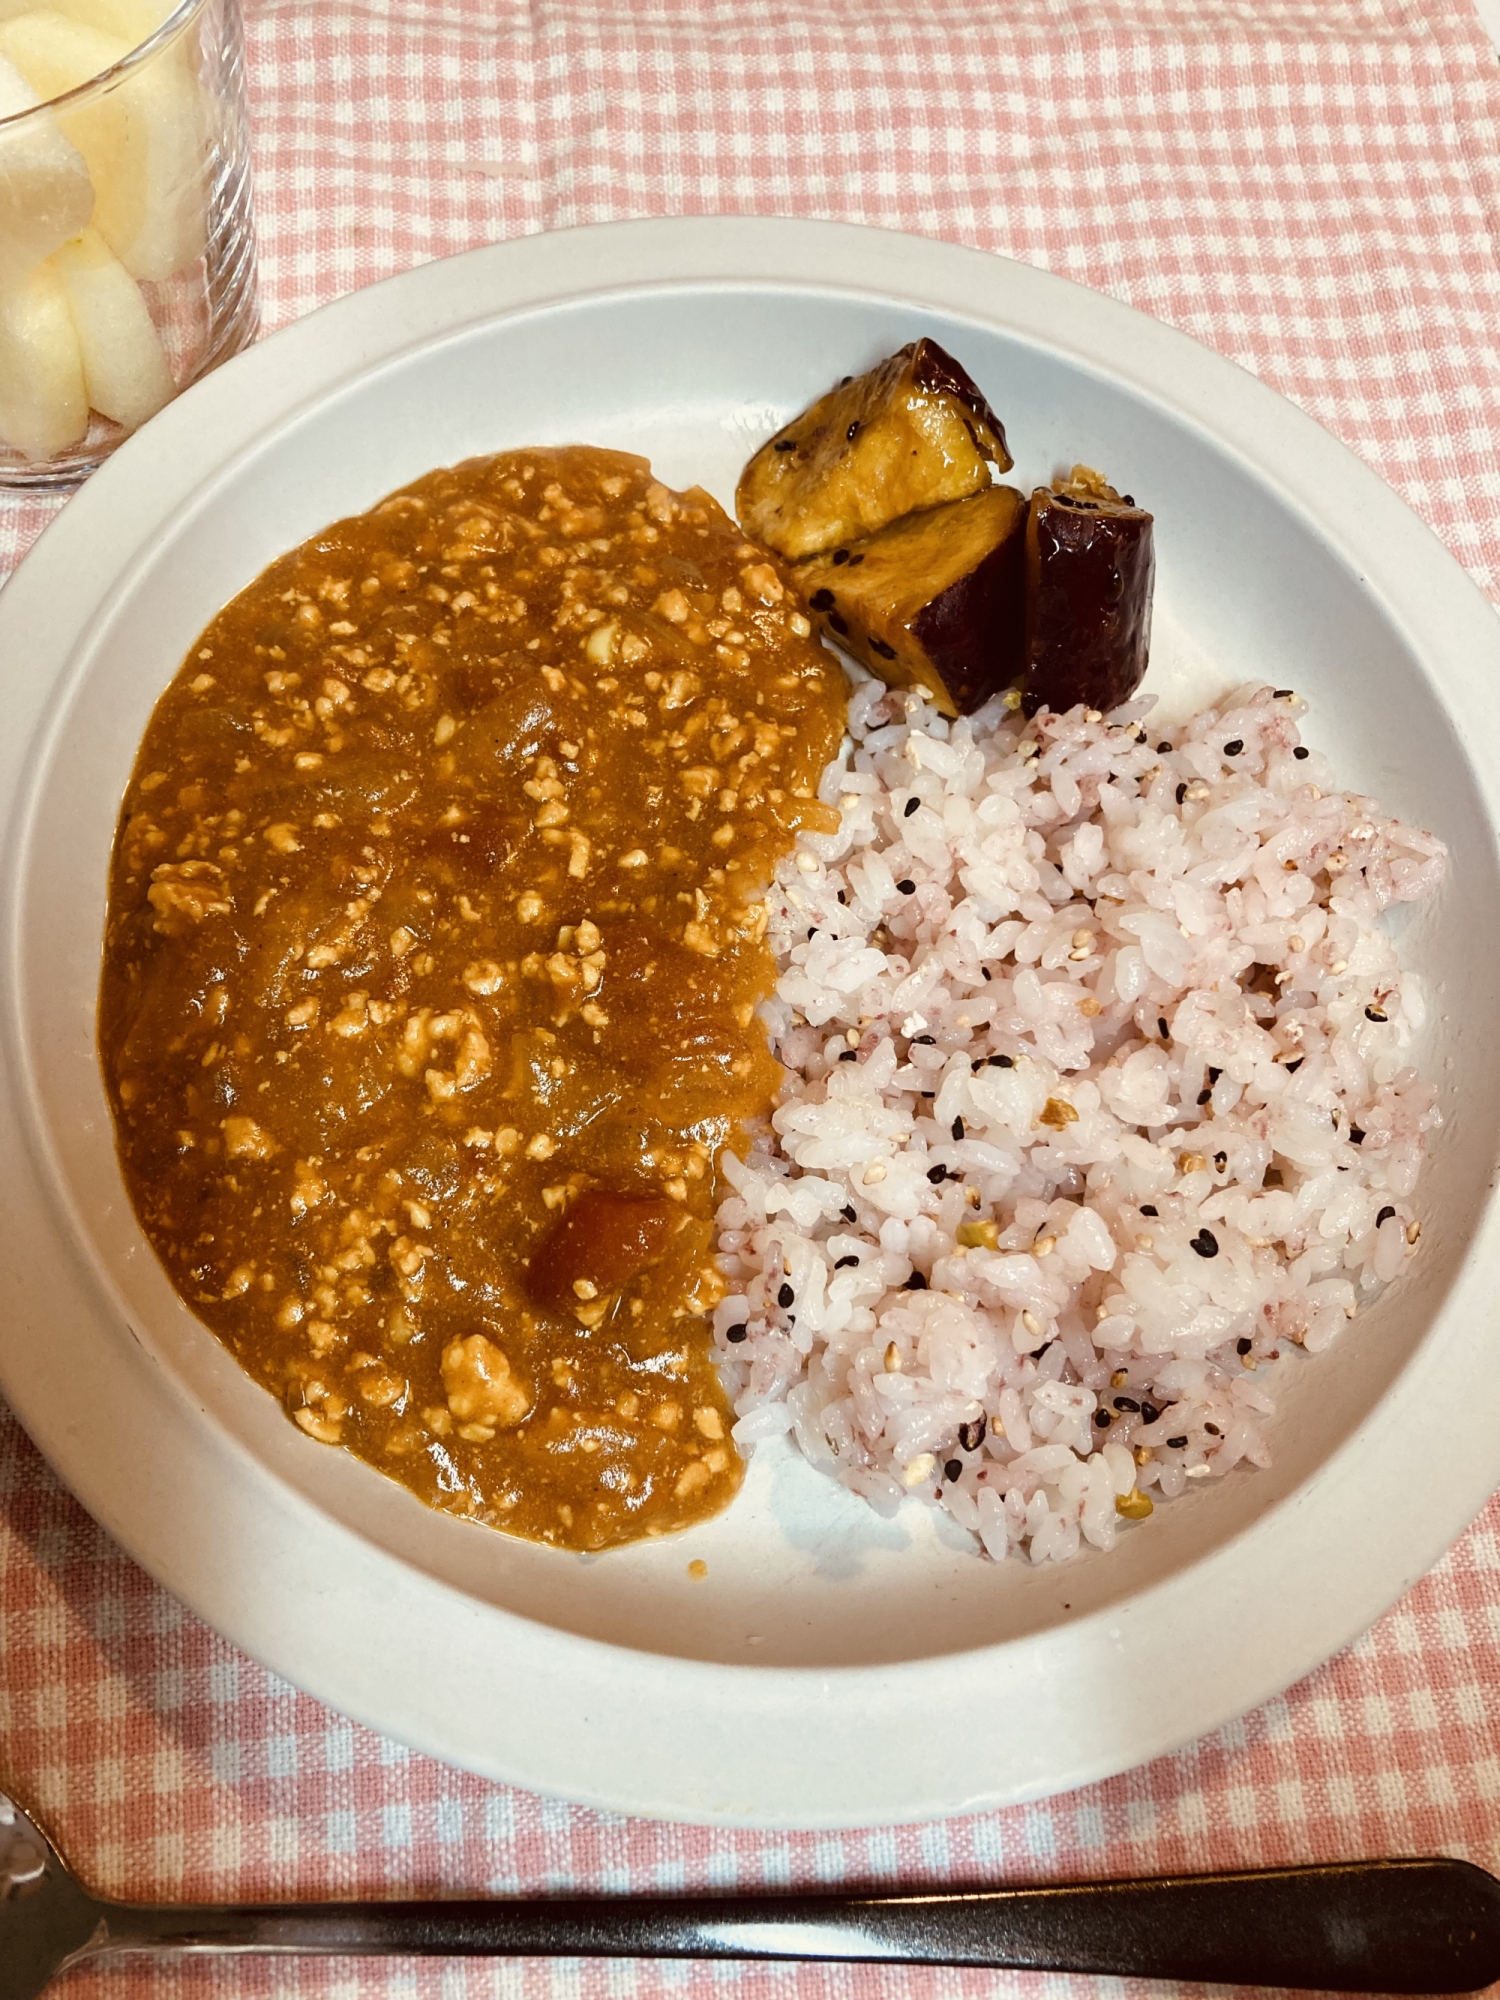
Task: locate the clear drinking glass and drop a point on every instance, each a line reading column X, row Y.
column 127, row 254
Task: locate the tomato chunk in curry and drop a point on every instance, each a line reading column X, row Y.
column 433, row 955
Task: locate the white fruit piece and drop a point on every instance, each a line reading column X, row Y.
column 143, row 137
column 131, row 20
column 55, row 53
column 45, row 192
column 125, row 370
column 43, row 404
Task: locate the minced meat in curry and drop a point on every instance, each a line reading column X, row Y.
column 433, row 953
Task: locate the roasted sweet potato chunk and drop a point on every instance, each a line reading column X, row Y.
column 1089, row 572
column 913, row 432
column 603, row 1241
column 933, row 601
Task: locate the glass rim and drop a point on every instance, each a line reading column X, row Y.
column 177, row 19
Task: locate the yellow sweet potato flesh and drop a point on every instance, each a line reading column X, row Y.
column 935, row 600
column 912, row 433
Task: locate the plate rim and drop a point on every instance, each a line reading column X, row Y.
column 168, row 467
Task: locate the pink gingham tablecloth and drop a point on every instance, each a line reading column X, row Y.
column 1310, row 186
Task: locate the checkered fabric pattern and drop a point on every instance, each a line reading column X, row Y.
column 1310, row 186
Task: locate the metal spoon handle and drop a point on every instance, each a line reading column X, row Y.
column 1374, row 1927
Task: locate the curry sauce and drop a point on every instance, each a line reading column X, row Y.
column 434, row 945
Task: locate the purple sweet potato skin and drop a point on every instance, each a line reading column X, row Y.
column 974, row 631
column 1089, row 576
column 935, row 368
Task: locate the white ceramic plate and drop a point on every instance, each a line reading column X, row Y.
column 832, row 1669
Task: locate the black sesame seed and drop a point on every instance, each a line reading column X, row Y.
column 1102, row 1420
column 1233, row 749
column 936, row 1174
column 843, row 898
column 1387, row 1214
column 910, row 807
column 1176, row 1444
column 1301, row 751
column 953, row 1470
column 1374, row 1014
column 1162, row 1029
column 1356, row 1136
column 845, row 1263
column 1127, row 499
column 1149, row 1208
column 855, row 561
column 838, row 624
column 845, row 380
column 785, row 1297
column 985, row 972
column 1205, row 1095
column 958, row 1128
column 1128, row 1404
column 735, row 1334
column 813, row 932
column 1213, row 1430
column 1221, row 1161
column 822, row 600
column 786, row 444
column 907, row 887
column 853, row 431
column 1163, row 749
column 1206, row 1243
column 1292, row 1068
column 849, row 1213
column 971, row 1436
column 1001, row 1062
column 849, row 1055
column 879, row 646
column 1150, row 1412
column 916, row 1282
column 1244, row 1344
column 1181, row 793
column 840, row 556
column 1283, row 694
column 923, row 1041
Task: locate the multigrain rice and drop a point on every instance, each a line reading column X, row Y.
column 1097, row 1101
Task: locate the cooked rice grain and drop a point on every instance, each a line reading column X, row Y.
column 1097, row 1102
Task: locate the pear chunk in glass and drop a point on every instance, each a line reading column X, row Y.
column 127, row 263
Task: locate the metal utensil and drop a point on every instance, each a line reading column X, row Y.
column 1364, row 1926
